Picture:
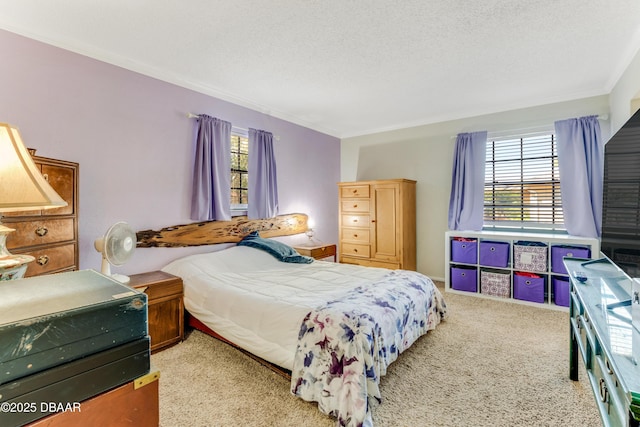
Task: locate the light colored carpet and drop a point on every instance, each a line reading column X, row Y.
column 491, row 363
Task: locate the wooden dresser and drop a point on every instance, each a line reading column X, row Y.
column 377, row 223
column 51, row 236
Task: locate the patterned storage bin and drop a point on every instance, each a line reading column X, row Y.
column 528, row 287
column 530, row 256
column 464, row 250
column 494, row 254
column 464, row 279
column 560, row 291
column 560, row 251
column 495, row 283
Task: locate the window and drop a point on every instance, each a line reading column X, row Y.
column 522, row 183
column 239, row 171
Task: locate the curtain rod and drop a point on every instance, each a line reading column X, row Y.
column 535, row 130
column 196, row 116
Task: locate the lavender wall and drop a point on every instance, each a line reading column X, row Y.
column 133, row 141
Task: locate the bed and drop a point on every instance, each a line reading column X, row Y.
column 336, row 327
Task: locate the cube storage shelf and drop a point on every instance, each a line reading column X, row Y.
column 525, row 268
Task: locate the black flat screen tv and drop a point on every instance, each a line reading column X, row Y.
column 621, row 198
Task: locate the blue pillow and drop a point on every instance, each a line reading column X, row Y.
column 282, row 252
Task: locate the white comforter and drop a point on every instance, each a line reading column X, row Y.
column 258, row 302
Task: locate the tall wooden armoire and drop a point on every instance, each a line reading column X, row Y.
column 378, row 223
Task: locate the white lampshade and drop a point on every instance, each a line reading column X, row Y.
column 22, row 186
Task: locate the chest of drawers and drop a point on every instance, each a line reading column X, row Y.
column 51, row 236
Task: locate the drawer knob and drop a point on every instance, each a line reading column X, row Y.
column 355, row 206
column 42, row 231
column 355, row 220
column 355, row 191
column 355, row 250
column 43, row 260
column 355, row 235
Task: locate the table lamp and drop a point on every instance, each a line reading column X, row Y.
column 310, row 231
column 22, row 187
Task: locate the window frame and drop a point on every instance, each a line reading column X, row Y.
column 239, row 209
column 524, row 225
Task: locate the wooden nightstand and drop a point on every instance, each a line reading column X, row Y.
column 165, row 306
column 318, row 251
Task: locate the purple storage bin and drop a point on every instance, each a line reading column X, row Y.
column 464, row 279
column 528, row 288
column 561, row 291
column 560, row 251
column 465, row 251
column 494, row 254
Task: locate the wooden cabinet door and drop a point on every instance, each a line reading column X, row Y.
column 165, row 321
column 385, row 230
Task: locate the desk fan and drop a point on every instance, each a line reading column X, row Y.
column 117, row 247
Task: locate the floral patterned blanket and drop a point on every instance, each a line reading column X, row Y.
column 345, row 346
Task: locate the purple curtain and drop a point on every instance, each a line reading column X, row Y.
column 581, row 165
column 211, row 198
column 466, row 204
column 263, row 183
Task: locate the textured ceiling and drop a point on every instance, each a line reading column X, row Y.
column 353, row 67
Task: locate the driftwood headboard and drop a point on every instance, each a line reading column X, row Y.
column 212, row 232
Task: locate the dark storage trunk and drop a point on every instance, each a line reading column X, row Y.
column 47, row 321
column 63, row 387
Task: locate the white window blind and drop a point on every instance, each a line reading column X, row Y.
column 522, row 183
